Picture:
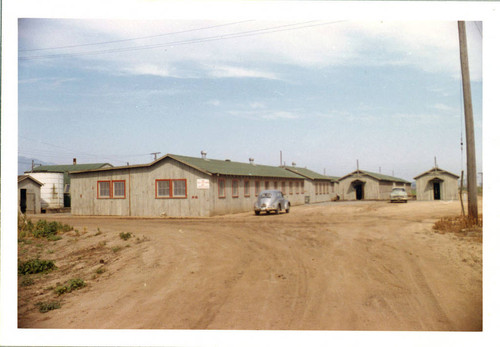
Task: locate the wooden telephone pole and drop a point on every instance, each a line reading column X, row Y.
column 469, row 125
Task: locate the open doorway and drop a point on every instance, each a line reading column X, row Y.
column 437, row 190
column 23, row 201
column 359, row 189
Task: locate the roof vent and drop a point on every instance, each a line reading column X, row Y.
column 74, row 161
column 252, row 161
column 228, row 159
column 294, row 164
column 204, row 154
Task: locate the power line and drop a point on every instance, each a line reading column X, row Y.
column 133, row 39
column 254, row 32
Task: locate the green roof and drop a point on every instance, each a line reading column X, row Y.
column 69, row 168
column 214, row 167
column 302, row 171
column 226, row 167
column 378, row 176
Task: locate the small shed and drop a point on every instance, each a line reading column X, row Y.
column 437, row 184
column 28, row 194
column 366, row 185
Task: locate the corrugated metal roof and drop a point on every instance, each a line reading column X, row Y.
column 25, row 177
column 302, row 171
column 377, row 176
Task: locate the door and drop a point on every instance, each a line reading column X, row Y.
column 359, row 192
column 437, row 191
column 22, row 204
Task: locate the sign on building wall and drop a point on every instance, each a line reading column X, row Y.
column 202, row 183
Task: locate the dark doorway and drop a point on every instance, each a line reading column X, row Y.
column 23, row 201
column 437, row 191
column 359, row 191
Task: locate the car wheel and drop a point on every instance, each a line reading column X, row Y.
column 267, row 212
column 257, row 212
column 287, row 210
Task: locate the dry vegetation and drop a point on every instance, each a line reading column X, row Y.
column 461, row 226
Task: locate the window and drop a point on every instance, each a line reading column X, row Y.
column 275, row 184
column 179, row 188
column 257, row 188
column 236, row 188
column 246, row 188
column 111, row 189
column 103, row 191
column 297, row 188
column 302, row 187
column 162, row 188
column 171, row 188
column 291, row 188
column 266, row 185
column 119, row 189
column 283, row 187
column 222, row 188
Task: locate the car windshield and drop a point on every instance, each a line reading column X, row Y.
column 398, row 190
column 265, row 195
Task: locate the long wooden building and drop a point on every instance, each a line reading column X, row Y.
column 179, row 186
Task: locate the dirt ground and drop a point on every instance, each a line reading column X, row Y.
column 333, row 266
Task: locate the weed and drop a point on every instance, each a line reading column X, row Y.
column 460, row 226
column 99, row 232
column 50, row 251
column 69, row 286
column 34, row 266
column 125, row 236
column 54, row 237
column 116, row 249
column 47, row 306
column 100, row 270
column 26, row 281
column 101, row 243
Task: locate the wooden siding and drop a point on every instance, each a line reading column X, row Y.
column 33, row 196
column 448, row 187
column 141, row 199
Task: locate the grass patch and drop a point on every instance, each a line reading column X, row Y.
column 116, row 249
column 460, row 226
column 42, row 228
column 33, row 266
column 69, row 286
column 125, row 236
column 26, row 281
column 100, row 270
column 47, row 306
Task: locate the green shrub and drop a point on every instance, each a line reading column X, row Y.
column 54, row 237
column 100, row 270
column 125, row 236
column 47, row 306
column 69, row 286
column 34, row 266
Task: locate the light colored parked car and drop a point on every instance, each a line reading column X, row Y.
column 271, row 200
column 399, row 195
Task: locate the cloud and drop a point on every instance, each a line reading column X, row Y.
column 238, row 72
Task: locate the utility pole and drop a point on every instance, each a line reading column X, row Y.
column 155, row 154
column 469, row 125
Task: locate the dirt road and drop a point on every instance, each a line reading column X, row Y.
column 336, row 266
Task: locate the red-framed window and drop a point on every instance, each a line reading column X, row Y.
column 171, row 189
column 104, row 189
column 291, row 187
column 111, row 189
column 222, row 188
column 257, row 188
column 235, row 188
column 246, row 188
column 275, row 184
column 266, row 185
column 302, row 187
column 297, row 191
column 118, row 191
column 283, row 187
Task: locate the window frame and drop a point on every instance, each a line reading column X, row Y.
column 223, row 181
column 99, row 196
column 124, row 196
column 233, row 181
column 246, row 188
column 171, row 188
column 257, row 187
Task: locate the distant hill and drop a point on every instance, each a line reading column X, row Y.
column 24, row 164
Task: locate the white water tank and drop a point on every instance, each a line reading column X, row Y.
column 52, row 191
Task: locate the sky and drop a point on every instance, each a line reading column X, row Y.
column 324, row 94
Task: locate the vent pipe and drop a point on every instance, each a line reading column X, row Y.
column 293, row 164
column 252, row 161
column 74, row 161
column 204, row 154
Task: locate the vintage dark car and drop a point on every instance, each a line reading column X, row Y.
column 271, row 200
